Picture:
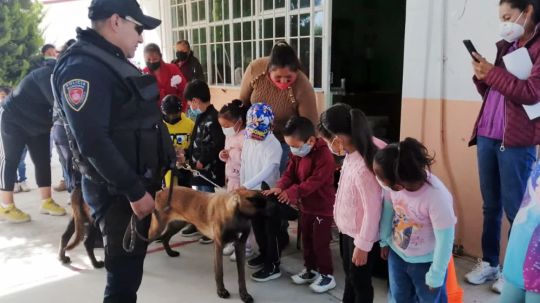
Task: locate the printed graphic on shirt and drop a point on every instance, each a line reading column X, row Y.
column 179, row 139
column 76, row 93
column 404, row 227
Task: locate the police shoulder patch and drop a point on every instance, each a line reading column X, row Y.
column 76, row 93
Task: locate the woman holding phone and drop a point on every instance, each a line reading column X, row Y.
column 504, row 134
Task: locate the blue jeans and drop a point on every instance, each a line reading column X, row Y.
column 205, row 188
column 408, row 282
column 503, row 179
column 284, row 158
column 21, row 169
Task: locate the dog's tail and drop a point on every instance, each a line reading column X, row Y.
column 79, row 216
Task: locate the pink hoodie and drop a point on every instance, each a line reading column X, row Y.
column 358, row 207
column 232, row 166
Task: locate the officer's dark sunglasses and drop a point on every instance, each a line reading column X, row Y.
column 138, row 27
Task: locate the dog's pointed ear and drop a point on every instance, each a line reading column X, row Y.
column 265, row 186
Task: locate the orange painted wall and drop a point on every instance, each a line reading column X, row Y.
column 445, row 128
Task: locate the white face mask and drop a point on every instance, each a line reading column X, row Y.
column 337, row 153
column 512, row 31
column 230, row 131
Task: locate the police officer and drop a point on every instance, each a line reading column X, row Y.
column 123, row 145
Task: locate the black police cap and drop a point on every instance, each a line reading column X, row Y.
column 103, row 9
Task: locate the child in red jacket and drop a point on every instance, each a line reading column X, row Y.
column 308, row 183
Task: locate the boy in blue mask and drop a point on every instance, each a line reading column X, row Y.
column 308, row 184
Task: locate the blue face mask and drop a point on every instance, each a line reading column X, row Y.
column 301, row 151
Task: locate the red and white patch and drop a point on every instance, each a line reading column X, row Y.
column 76, row 93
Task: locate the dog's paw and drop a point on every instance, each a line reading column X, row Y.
column 98, row 264
column 173, row 253
column 247, row 298
column 223, row 293
column 65, row 259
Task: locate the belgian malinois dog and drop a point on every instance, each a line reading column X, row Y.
column 223, row 217
column 81, row 215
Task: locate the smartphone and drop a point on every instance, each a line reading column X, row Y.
column 470, row 47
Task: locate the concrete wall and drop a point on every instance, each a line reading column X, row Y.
column 440, row 103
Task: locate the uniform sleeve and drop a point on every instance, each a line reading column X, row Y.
column 307, row 100
column 86, row 99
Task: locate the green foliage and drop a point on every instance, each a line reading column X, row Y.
column 20, row 38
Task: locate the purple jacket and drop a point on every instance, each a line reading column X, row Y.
column 519, row 130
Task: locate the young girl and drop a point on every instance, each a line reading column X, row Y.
column 417, row 223
column 261, row 156
column 232, row 118
column 358, row 205
column 522, row 261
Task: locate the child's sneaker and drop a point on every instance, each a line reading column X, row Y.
column 323, row 284
column 190, row 231
column 482, row 272
column 229, row 249
column 49, row 207
column 305, row 277
column 24, row 187
column 256, row 262
column 12, row 214
column 498, row 285
column 205, row 240
column 16, row 188
column 249, row 254
column 265, row 274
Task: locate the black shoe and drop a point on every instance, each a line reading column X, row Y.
column 205, row 240
column 265, row 274
column 256, row 262
column 190, row 231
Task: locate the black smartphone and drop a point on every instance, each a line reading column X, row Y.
column 470, row 47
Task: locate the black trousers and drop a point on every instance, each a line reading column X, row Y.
column 124, row 270
column 12, row 142
column 358, row 287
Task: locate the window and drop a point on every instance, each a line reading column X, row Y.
column 226, row 35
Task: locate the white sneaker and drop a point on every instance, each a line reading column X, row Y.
column 481, row 273
column 249, row 254
column 305, row 277
column 323, row 284
column 24, row 187
column 498, row 285
column 17, row 188
column 228, row 249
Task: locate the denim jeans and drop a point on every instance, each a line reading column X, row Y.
column 408, row 282
column 205, row 188
column 284, row 157
column 503, row 179
column 21, row 169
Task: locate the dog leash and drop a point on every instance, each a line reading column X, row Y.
column 197, row 173
column 131, row 234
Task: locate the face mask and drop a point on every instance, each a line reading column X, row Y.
column 383, row 186
column 301, row 151
column 230, row 131
column 182, row 56
column 153, row 66
column 172, row 121
column 339, row 153
column 512, row 31
column 282, row 86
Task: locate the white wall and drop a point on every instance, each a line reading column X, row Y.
column 62, row 18
column 435, row 26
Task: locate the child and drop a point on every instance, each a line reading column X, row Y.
column 232, row 118
column 358, row 205
column 261, row 156
column 522, row 261
column 417, row 224
column 180, row 128
column 207, row 140
column 309, row 183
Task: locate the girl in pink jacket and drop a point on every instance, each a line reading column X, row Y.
column 232, row 118
column 358, row 206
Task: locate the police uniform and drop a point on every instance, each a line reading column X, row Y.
column 124, row 146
